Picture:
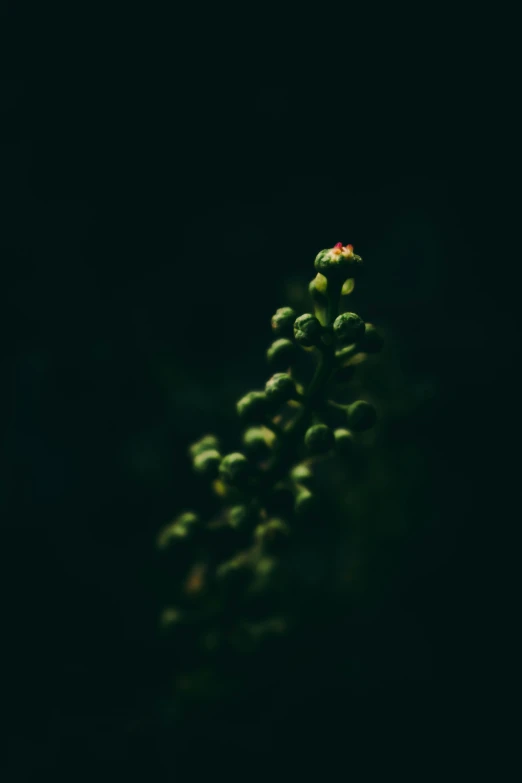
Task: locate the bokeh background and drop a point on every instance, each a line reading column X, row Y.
column 153, row 216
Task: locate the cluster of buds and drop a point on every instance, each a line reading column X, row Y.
column 235, row 578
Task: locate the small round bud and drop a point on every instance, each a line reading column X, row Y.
column 171, row 617
column 234, row 468
column 207, row 462
column 235, row 574
column 305, row 503
column 282, row 321
column 266, row 585
column 188, row 518
column 303, row 476
column 343, row 441
column 319, row 439
column 280, row 388
column 206, row 443
column 281, row 354
column 258, row 441
column 361, row 416
column 307, row 330
column 348, row 328
column 273, row 535
column 181, row 529
column 238, row 516
column 253, row 407
column 338, row 262
column 372, row 342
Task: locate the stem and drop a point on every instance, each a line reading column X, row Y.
column 334, row 295
column 285, row 455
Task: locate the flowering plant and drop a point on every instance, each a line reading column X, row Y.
column 238, row 580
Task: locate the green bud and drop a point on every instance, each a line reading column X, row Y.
column 188, row 518
column 234, row 468
column 303, row 476
column 305, row 503
column 206, row 443
column 258, row 441
column 238, row 516
column 253, row 407
column 282, row 321
column 307, row 330
column 319, row 439
column 181, row 529
column 343, row 441
column 273, row 535
column 348, row 328
column 235, row 573
column 266, row 584
column 281, row 354
column 372, row 341
column 338, row 262
column 207, row 462
column 361, row 416
column 171, row 617
column 280, row 388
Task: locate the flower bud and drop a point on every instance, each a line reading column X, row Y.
column 258, row 441
column 207, row 442
column 281, row 354
column 319, row 439
column 307, row 330
column 343, row 442
column 338, row 262
column 273, row 535
column 306, row 503
column 171, row 617
column 303, row 476
column 372, row 342
column 234, row 468
column 280, row 388
column 282, row 321
column 235, row 574
column 253, row 407
column 181, row 529
column 361, row 416
column 263, row 591
column 348, row 328
column 238, row 516
column 207, row 462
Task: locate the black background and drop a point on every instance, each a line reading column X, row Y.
column 160, row 179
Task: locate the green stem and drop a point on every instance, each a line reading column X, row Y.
column 285, row 454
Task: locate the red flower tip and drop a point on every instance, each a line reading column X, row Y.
column 339, row 245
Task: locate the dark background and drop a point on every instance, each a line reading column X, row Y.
column 157, row 194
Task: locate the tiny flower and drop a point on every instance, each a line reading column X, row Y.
column 339, row 261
